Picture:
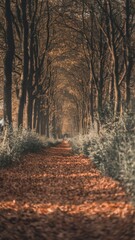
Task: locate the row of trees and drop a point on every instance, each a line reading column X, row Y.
column 105, row 73
column 77, row 55
column 27, row 32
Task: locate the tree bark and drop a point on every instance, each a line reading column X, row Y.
column 129, row 57
column 8, row 64
column 25, row 63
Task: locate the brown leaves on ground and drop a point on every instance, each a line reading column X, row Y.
column 57, row 195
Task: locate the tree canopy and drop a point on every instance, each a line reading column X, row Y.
column 66, row 65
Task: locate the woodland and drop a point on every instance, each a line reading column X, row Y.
column 66, row 65
column 67, row 119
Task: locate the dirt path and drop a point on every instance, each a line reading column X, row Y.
column 56, row 195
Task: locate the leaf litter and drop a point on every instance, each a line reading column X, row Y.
column 58, row 195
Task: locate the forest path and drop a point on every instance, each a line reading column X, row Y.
column 56, row 195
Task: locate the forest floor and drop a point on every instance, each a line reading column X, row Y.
column 56, row 195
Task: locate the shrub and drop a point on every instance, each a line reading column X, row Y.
column 19, row 142
column 25, row 141
column 113, row 151
column 5, row 157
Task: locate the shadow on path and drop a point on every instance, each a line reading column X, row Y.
column 56, row 195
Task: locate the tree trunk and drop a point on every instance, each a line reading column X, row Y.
column 92, row 104
column 33, row 32
column 47, row 123
column 129, row 58
column 38, row 126
column 117, row 92
column 8, row 64
column 42, row 123
column 35, row 114
column 29, row 111
column 25, row 63
column 30, row 96
column 101, row 78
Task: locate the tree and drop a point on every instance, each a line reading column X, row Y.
column 8, row 64
column 25, row 24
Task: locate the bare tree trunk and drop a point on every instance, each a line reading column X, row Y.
column 25, row 63
column 54, row 126
column 8, row 64
column 38, row 125
column 117, row 92
column 47, row 120
column 33, row 44
column 35, row 114
column 42, row 123
column 92, row 104
column 31, row 74
column 29, row 111
column 129, row 54
column 101, row 78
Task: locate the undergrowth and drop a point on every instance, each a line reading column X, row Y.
column 19, row 142
column 113, row 150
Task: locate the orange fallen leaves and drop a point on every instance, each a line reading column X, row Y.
column 56, row 195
